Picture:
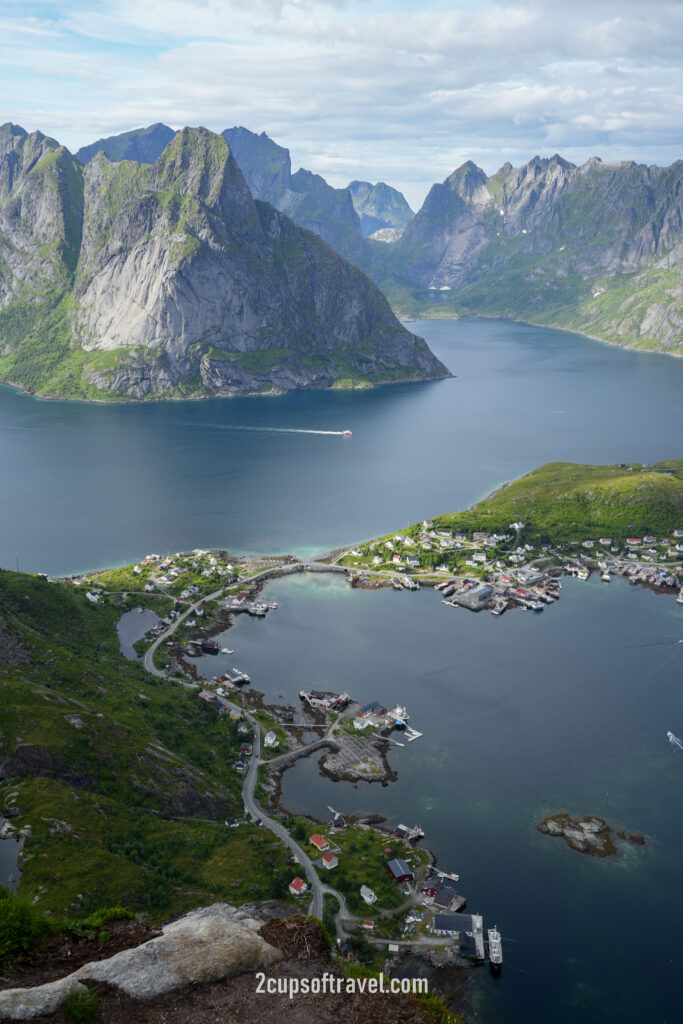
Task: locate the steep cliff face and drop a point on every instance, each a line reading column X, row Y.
column 41, row 195
column 171, row 279
column 379, row 207
column 597, row 247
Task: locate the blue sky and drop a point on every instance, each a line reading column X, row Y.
column 374, row 89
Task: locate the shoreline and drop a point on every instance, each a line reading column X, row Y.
column 548, row 327
column 22, row 390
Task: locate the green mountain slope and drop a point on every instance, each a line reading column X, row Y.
column 123, row 780
column 129, row 280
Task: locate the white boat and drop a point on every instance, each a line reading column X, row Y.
column 582, row 574
column 679, row 599
column 346, row 433
column 495, row 947
column 226, row 650
column 605, row 577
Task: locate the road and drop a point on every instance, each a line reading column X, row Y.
column 251, row 804
column 275, row 572
column 253, row 807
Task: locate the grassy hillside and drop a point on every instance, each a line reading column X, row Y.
column 560, row 503
column 565, row 501
column 124, row 780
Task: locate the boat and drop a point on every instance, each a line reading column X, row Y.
column 605, row 577
column 679, row 599
column 346, row 433
column 582, row 574
column 536, row 606
column 495, row 948
column 226, row 650
column 272, row 604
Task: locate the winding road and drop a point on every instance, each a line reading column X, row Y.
column 318, row 889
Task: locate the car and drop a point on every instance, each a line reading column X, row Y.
column 258, row 821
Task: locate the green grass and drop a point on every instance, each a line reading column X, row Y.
column 362, row 862
column 561, row 502
column 138, row 778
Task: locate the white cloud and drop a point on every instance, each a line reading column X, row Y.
column 381, row 89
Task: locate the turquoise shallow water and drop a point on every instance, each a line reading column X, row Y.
column 86, row 486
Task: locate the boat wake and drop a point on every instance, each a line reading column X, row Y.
column 275, row 430
column 674, row 740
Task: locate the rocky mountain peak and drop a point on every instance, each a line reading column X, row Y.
column 467, row 180
column 198, row 163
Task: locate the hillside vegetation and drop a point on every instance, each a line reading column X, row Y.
column 565, row 501
column 559, row 503
column 124, row 780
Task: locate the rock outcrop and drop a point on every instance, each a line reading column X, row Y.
column 205, row 945
column 589, row 835
column 136, row 280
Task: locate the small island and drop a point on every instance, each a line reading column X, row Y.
column 590, row 835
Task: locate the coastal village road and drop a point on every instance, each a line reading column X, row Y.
column 254, row 808
column 148, row 660
column 276, row 571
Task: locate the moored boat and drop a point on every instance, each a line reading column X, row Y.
column 495, row 948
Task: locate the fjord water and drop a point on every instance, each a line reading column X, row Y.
column 522, row 716
column 86, row 486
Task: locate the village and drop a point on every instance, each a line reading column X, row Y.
column 390, row 895
column 497, row 571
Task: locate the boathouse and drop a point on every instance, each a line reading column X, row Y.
column 399, row 871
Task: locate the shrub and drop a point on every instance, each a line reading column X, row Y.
column 21, row 925
column 81, row 1005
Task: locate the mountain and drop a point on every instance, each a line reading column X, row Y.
column 596, row 248
column 143, row 145
column 303, row 196
column 132, row 280
column 379, row 207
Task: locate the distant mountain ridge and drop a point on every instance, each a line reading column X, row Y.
column 379, row 206
column 343, row 217
column 168, row 279
column 596, row 248
column 144, row 145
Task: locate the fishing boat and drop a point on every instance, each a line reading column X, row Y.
column 495, row 948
